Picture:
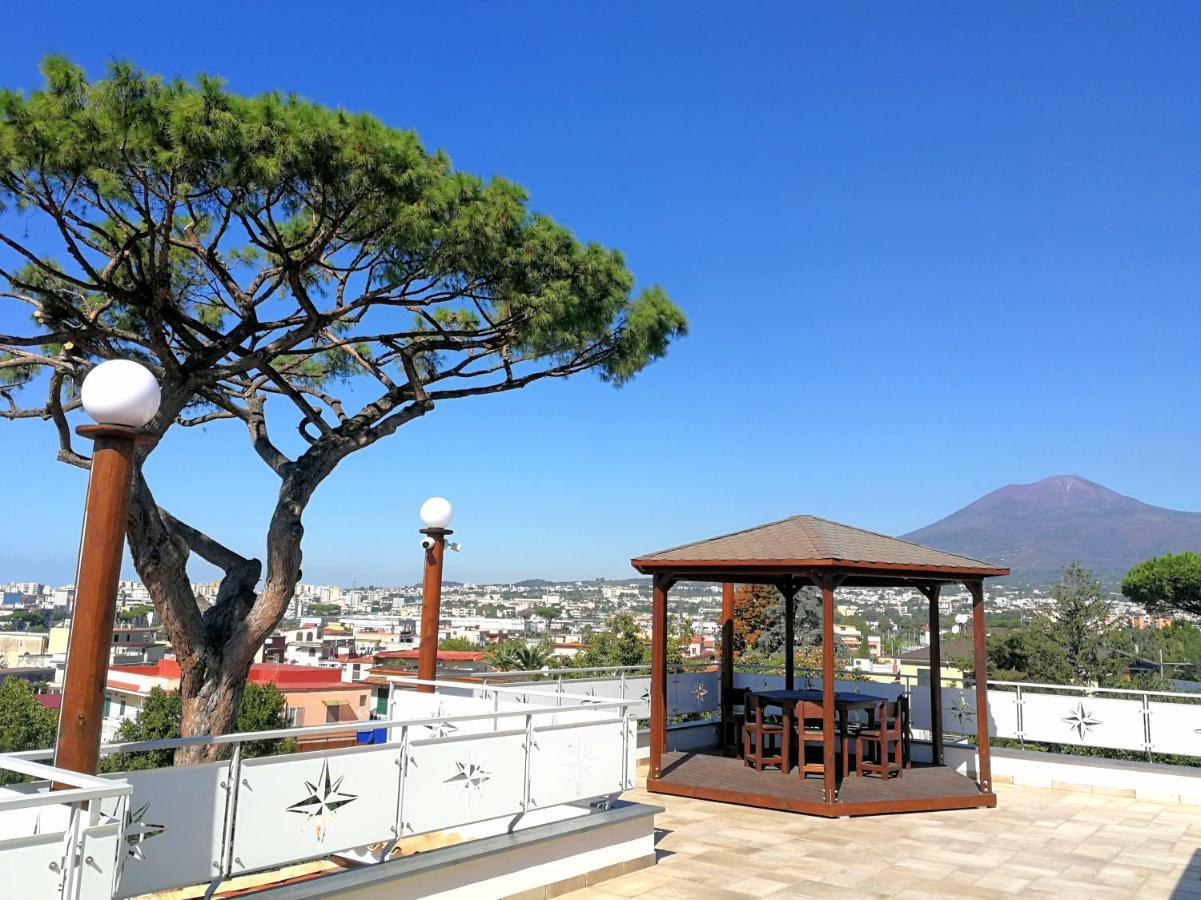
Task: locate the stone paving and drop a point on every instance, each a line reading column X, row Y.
column 1036, row 843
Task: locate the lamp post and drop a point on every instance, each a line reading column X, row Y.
column 121, row 396
column 436, row 515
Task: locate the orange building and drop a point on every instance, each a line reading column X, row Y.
column 314, row 695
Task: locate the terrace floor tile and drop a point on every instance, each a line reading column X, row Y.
column 1036, row 843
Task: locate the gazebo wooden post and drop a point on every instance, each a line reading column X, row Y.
column 727, row 653
column 789, row 589
column 829, row 792
column 932, row 593
column 976, row 589
column 662, row 584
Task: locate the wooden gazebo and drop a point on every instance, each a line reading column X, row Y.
column 790, row 554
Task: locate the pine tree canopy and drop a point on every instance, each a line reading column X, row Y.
column 246, row 248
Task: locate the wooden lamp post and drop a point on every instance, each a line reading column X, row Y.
column 121, row 396
column 436, row 515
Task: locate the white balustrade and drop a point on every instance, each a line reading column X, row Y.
column 459, row 756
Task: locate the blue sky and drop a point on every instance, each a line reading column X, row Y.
column 925, row 252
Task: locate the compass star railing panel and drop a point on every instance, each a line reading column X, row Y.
column 569, row 762
column 638, row 688
column 616, row 682
column 173, row 827
column 693, row 692
column 454, row 780
column 959, row 713
column 1083, row 721
column 310, row 804
column 619, row 687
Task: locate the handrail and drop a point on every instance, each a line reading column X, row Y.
column 585, row 703
column 512, row 673
column 83, row 787
column 1090, row 689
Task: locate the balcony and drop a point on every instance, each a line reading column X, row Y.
column 508, row 782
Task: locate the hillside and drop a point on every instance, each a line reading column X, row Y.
column 1038, row 528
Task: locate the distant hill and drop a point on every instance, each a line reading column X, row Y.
column 1036, row 529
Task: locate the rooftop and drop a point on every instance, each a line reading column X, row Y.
column 950, row 648
column 443, row 655
column 1037, row 842
column 283, row 675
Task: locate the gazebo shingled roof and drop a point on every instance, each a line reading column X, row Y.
column 810, row 541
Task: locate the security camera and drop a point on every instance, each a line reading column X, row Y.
column 456, row 547
column 427, row 543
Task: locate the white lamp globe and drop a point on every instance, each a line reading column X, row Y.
column 436, row 512
column 120, row 392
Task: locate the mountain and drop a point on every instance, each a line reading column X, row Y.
column 1036, row 529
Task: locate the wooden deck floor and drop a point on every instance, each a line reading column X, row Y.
column 710, row 776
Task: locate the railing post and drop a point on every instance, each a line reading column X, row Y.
column 402, row 763
column 1147, row 739
column 626, row 782
column 1021, row 723
column 529, row 752
column 70, row 876
column 232, row 787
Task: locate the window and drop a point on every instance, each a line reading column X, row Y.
column 362, row 699
column 108, row 707
column 331, row 712
column 121, row 709
column 295, row 716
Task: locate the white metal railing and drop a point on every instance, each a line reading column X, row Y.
column 457, row 756
column 1130, row 719
column 1144, row 721
column 59, row 843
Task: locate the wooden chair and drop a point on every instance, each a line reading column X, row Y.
column 762, row 736
column 888, row 736
column 809, row 731
column 850, row 733
column 732, row 723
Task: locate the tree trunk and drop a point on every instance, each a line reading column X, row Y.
column 214, row 647
column 211, row 692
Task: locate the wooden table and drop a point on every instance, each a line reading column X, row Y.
column 844, row 701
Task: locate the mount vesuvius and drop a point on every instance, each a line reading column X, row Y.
column 1036, row 529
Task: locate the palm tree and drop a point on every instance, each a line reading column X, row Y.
column 518, row 655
